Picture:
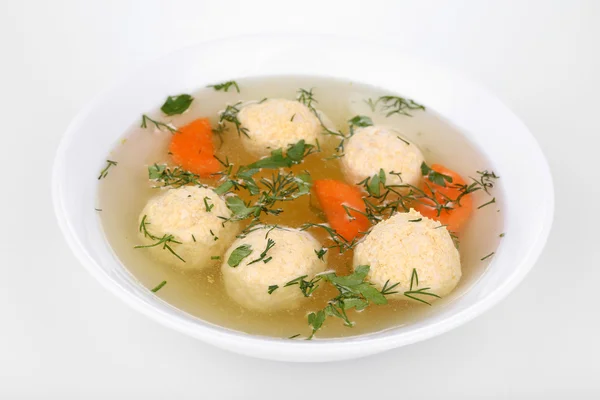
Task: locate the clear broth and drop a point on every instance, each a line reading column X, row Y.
column 125, row 191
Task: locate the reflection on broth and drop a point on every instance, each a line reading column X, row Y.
column 299, row 224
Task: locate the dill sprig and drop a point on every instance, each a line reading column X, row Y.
column 177, row 104
column 338, row 240
column 166, row 240
column 391, row 105
column 270, row 244
column 413, row 293
column 104, row 172
column 159, row 286
column 225, row 86
column 306, row 97
column 230, row 115
column 159, row 125
column 174, row 177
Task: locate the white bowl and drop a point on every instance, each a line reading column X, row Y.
column 525, row 176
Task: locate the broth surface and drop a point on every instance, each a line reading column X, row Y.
column 125, row 191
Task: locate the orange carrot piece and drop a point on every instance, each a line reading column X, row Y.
column 192, row 148
column 333, row 195
column 455, row 218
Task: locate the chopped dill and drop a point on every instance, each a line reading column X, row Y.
column 177, row 104
column 225, row 86
column 207, row 205
column 159, row 286
column 270, row 244
column 492, row 201
column 159, row 125
column 488, row 256
column 104, row 172
column 166, row 240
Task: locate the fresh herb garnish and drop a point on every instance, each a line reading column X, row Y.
column 306, row 287
column 239, row 254
column 98, row 209
column 502, row 234
column 492, row 201
column 215, row 237
column 207, row 205
column 225, row 86
column 175, row 177
column 391, row 105
column 339, row 241
column 488, row 256
column 166, row 240
column 159, row 125
column 159, row 286
column 306, row 97
column 270, row 244
column 272, row 288
column 321, row 253
column 215, row 257
column 177, row 104
column 415, row 220
column 104, row 172
column 405, row 141
column 434, row 176
column 230, row 115
column 412, row 293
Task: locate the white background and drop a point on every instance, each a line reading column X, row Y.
column 62, row 336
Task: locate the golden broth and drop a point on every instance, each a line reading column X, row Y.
column 126, row 189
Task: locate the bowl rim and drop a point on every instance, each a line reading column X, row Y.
column 283, row 349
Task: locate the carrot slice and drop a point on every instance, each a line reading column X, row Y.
column 333, row 195
column 192, row 148
column 455, row 218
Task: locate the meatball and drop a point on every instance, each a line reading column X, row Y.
column 292, row 255
column 277, row 123
column 410, row 241
column 376, row 147
column 191, row 215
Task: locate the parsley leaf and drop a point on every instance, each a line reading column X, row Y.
column 177, row 104
column 239, row 254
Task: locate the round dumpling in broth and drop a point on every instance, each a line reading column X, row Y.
column 292, row 254
column 407, row 242
column 373, row 148
column 277, row 123
column 190, row 216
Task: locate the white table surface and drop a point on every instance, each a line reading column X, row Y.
column 63, row 336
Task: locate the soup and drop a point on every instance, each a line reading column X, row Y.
column 300, row 207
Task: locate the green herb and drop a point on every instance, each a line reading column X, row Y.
column 492, row 201
column 208, row 206
column 174, row 177
column 224, row 187
column 321, row 253
column 239, row 254
column 353, row 293
column 485, row 182
column 159, row 286
column 360, row 121
column 240, row 209
column 339, row 241
column 104, row 172
column 98, row 209
column 415, row 220
column 270, row 244
column 411, row 293
column 292, row 119
column 272, row 288
column 502, row 234
column 434, row 176
column 488, row 256
column 225, row 86
column 215, row 257
column 177, row 104
column 166, row 240
column 157, row 124
column 306, row 97
column 306, row 287
column 230, row 115
column 405, row 141
column 215, row 237
column 294, row 336
column 391, row 105
column 193, row 237
column 388, row 289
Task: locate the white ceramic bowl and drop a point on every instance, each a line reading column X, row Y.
column 528, row 207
